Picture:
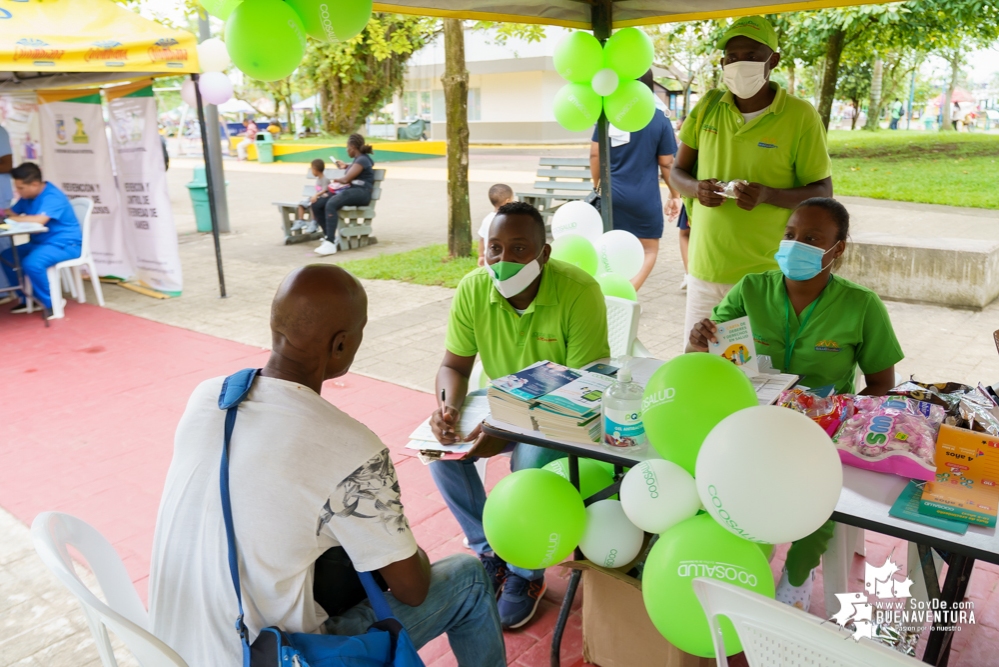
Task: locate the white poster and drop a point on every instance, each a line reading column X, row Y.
column 150, row 234
column 77, row 159
column 19, row 116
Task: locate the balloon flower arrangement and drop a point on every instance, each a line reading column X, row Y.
column 727, row 480
column 604, row 78
column 266, row 38
column 613, row 257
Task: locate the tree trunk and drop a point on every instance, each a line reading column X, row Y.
column 856, row 113
column 455, row 80
column 830, row 74
column 790, row 77
column 874, row 102
column 955, row 68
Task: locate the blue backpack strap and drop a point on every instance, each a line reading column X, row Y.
column 234, row 390
column 375, row 596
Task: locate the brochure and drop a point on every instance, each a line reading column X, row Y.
column 535, row 381
column 579, row 397
column 966, row 487
column 735, row 343
column 907, row 507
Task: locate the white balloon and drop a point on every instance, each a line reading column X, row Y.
column 610, row 539
column 213, row 56
column 656, row 495
column 605, row 82
column 769, row 474
column 577, row 217
column 216, row 88
column 187, row 94
column 620, row 252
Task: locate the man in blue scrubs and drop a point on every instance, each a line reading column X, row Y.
column 44, row 204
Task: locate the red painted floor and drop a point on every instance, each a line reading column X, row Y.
column 89, row 410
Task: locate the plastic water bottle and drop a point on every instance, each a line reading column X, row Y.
column 622, row 414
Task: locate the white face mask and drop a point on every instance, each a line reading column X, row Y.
column 511, row 281
column 745, row 78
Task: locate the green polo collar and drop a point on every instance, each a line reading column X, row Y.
column 777, row 106
column 546, row 293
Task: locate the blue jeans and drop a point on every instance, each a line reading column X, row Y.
column 36, row 258
column 462, row 490
column 460, row 603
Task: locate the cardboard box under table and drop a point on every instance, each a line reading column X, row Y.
column 617, row 631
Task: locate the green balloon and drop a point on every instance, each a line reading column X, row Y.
column 578, row 57
column 629, row 52
column 533, row 518
column 220, row 8
column 576, row 250
column 686, row 398
column 333, row 22
column 767, row 549
column 699, row 547
column 577, row 107
column 593, row 476
column 614, row 284
column 265, row 39
column 631, row 106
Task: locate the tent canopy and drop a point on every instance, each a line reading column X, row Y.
column 62, row 43
column 579, row 14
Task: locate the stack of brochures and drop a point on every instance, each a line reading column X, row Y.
column 560, row 402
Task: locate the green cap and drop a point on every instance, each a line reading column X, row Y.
column 754, row 27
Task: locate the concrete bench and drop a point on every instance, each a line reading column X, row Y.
column 959, row 273
column 568, row 179
column 355, row 221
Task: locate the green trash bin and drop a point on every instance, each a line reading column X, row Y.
column 198, row 187
column 265, row 147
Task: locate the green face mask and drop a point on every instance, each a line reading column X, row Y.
column 505, row 270
column 511, row 278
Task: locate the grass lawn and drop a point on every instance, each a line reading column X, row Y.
column 956, row 169
column 424, row 266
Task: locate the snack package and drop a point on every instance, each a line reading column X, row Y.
column 980, row 411
column 728, row 188
column 828, row 412
column 891, row 434
column 966, row 407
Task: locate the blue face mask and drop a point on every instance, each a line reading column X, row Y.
column 800, row 261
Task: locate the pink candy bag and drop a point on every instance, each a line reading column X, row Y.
column 891, row 434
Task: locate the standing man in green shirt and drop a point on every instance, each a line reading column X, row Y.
column 522, row 307
column 757, row 133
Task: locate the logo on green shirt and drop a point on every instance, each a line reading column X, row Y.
column 828, row 346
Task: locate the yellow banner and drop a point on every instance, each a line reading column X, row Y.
column 89, row 36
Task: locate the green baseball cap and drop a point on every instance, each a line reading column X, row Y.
column 754, row 27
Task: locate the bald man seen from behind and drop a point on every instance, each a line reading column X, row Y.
column 307, row 483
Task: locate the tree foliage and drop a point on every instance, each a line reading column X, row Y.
column 357, row 77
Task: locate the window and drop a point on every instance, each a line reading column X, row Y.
column 425, row 104
column 440, row 115
column 409, row 109
column 474, row 104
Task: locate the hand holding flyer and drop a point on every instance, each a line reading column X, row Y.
column 735, row 343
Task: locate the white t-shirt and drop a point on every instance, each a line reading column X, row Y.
column 754, row 114
column 484, row 227
column 304, row 477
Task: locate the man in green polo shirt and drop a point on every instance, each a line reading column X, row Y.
column 755, row 133
column 520, row 308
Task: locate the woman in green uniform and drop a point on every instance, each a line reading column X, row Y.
column 817, row 325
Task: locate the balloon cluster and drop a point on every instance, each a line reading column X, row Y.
column 613, row 257
column 603, row 78
column 215, row 86
column 266, row 38
column 735, row 478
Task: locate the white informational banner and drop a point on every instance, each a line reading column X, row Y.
column 77, row 159
column 19, row 116
column 150, row 234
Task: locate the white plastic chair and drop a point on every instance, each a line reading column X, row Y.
column 837, row 561
column 124, row 615
column 774, row 634
column 622, row 328
column 83, row 207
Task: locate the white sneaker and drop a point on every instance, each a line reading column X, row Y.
column 683, row 284
column 326, row 248
column 298, row 225
column 312, row 227
column 796, row 596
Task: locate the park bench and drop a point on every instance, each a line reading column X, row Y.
column 568, row 179
column 355, row 221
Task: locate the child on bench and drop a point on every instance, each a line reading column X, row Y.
column 322, row 191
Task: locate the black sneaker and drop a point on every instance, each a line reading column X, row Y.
column 519, row 600
column 495, row 571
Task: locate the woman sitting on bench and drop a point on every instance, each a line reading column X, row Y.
column 360, row 179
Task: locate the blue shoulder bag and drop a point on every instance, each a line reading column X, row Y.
column 386, row 643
